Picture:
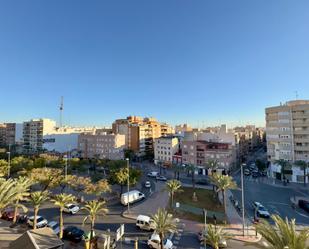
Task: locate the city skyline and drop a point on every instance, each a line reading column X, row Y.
column 201, row 63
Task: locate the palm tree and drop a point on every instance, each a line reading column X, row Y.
column 164, row 223
column 223, row 183
column 284, row 164
column 173, row 186
column 191, row 168
column 303, row 166
column 213, row 236
column 283, row 234
column 22, row 185
column 36, row 199
column 61, row 200
column 8, row 193
column 93, row 209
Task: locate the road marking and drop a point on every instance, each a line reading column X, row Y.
column 301, row 214
column 176, row 242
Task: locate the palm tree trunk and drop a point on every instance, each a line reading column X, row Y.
column 121, row 188
column 193, row 179
column 161, row 240
column 36, row 210
column 15, row 211
column 223, row 199
column 61, row 224
column 91, row 233
column 172, row 196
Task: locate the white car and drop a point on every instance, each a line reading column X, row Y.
column 153, row 174
column 55, row 226
column 154, row 242
column 260, row 210
column 71, row 209
column 40, row 221
column 147, row 184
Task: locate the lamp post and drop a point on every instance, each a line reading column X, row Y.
column 205, row 228
column 9, row 163
column 128, row 165
column 242, row 198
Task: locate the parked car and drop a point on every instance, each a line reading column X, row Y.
column 247, row 172
column 255, row 174
column 304, row 205
column 40, row 221
column 132, row 196
column 71, row 209
column 201, row 236
column 73, row 234
column 161, row 178
column 54, row 226
column 154, row 242
column 261, row 211
column 153, row 174
column 147, row 184
column 144, row 222
column 8, row 214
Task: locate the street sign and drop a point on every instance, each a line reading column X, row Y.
column 120, row 232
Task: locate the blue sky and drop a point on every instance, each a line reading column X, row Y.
column 202, row 62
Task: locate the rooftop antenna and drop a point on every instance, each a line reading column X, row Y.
column 61, row 111
column 296, row 95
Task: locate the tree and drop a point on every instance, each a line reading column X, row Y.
column 303, row 166
column 8, row 193
column 173, row 186
column 177, row 169
column 283, row 234
column 61, row 200
column 47, row 177
column 212, row 164
column 22, row 185
column 223, row 183
column 20, row 163
column 98, row 188
column 79, row 183
column 3, row 167
column 163, row 223
column 93, row 208
column 284, row 164
column 260, row 164
column 36, row 199
column 120, row 177
column 191, row 168
column 213, row 236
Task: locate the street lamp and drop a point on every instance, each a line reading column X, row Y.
column 242, row 198
column 128, row 165
column 9, row 163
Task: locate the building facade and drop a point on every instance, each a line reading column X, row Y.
column 287, row 135
column 101, row 145
column 164, row 149
column 7, row 134
column 200, row 152
column 33, row 132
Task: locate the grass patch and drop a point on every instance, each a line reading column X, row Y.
column 205, row 199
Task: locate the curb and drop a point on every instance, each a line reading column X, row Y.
column 248, row 241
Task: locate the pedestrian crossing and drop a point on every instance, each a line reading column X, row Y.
column 175, row 238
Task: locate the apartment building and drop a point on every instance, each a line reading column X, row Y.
column 7, row 134
column 199, row 152
column 287, row 135
column 101, row 145
column 164, row 149
column 140, row 133
column 33, row 132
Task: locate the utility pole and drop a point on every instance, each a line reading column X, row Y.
column 128, row 165
column 205, row 227
column 242, row 198
column 9, row 161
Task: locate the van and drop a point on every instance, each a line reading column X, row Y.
column 132, row 196
column 144, row 222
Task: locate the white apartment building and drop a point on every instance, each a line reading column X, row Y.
column 102, row 145
column 33, row 132
column 64, row 139
column 287, row 135
column 165, row 148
